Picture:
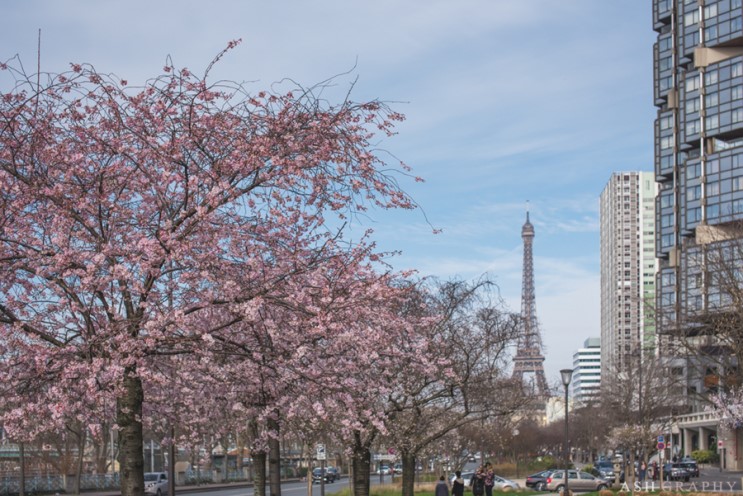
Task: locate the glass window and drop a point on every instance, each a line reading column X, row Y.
column 693, row 171
column 713, row 167
column 693, row 192
column 692, row 105
column 666, row 122
column 736, row 92
column 713, row 211
column 710, row 11
column 691, row 18
column 693, row 127
column 666, row 220
column 712, row 189
column 710, row 77
column 736, row 70
column 738, row 183
column 692, row 83
column 666, row 142
column 665, row 63
column 694, row 215
column 711, row 100
column 737, row 115
column 710, row 33
column 735, row 4
column 712, row 122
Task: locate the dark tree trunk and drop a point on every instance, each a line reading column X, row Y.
column 82, row 438
column 259, row 478
column 408, row 473
column 131, row 448
column 360, row 466
column 259, row 461
column 22, row 482
column 274, row 457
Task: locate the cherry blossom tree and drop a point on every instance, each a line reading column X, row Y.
column 138, row 224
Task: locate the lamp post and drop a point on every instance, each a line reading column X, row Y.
column 567, row 375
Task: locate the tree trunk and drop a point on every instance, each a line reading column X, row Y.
column 408, row 473
column 22, row 457
column 259, row 461
column 259, row 480
column 131, row 448
column 274, row 457
column 360, row 466
column 82, row 438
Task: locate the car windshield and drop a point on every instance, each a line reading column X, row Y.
column 150, row 477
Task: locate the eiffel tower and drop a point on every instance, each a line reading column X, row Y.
column 528, row 363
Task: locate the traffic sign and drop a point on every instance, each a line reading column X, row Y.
column 661, row 439
column 661, row 446
column 719, row 443
column 320, row 452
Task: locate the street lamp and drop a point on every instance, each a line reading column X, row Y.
column 567, row 375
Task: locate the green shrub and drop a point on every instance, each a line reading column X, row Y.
column 705, row 456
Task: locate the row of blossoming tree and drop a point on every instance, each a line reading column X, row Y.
column 178, row 252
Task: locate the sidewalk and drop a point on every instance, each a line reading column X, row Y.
column 181, row 489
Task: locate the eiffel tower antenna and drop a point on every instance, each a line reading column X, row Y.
column 529, row 361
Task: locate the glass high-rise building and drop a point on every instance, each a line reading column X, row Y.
column 698, row 91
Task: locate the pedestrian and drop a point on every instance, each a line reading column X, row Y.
column 643, row 471
column 457, row 487
column 489, row 479
column 477, row 482
column 442, row 488
column 656, row 473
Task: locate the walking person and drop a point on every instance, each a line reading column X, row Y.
column 457, row 487
column 442, row 488
column 643, row 471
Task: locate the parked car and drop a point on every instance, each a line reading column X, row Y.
column 398, row 468
column 605, row 470
column 577, row 481
column 538, row 481
column 319, row 474
column 333, row 472
column 156, row 483
column 675, row 472
column 503, row 484
column 691, row 467
column 385, row 470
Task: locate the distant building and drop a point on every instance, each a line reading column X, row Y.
column 586, row 384
column 628, row 267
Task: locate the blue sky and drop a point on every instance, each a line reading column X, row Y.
column 506, row 101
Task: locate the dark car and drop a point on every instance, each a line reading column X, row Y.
column 538, row 481
column 334, row 472
column 605, row 470
column 691, row 467
column 675, row 472
column 319, row 474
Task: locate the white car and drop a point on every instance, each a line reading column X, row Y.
column 156, row 483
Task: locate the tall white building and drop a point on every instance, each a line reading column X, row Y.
column 586, row 384
column 628, row 268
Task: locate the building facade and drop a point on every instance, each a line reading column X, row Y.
column 586, row 384
column 698, row 93
column 628, row 268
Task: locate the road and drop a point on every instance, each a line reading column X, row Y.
column 287, row 489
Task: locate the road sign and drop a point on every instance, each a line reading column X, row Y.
column 661, row 439
column 661, row 446
column 719, row 443
column 320, row 452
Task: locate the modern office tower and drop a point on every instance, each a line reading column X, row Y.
column 698, row 92
column 627, row 271
column 586, row 383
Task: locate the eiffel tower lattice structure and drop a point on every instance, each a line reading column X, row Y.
column 529, row 362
